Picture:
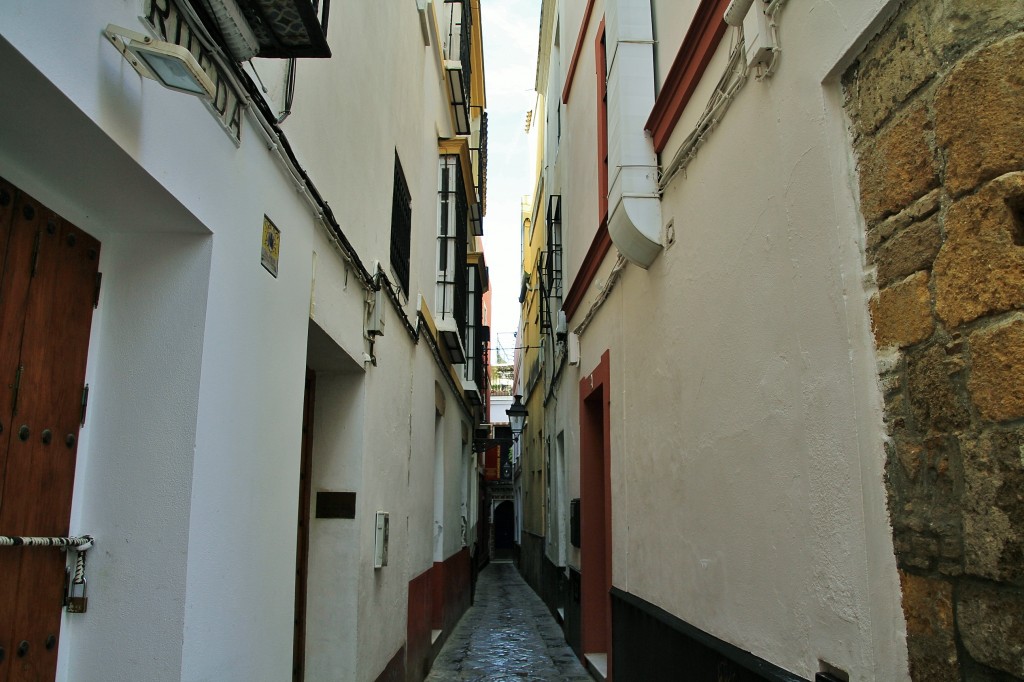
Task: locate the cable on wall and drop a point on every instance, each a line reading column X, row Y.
column 728, row 85
column 605, row 290
column 732, row 80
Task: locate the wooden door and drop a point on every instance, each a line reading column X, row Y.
column 48, row 289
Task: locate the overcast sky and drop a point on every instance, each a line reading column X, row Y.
column 510, row 30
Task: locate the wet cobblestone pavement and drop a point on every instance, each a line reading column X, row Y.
column 508, row 634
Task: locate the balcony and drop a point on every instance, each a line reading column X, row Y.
column 276, row 29
column 478, row 156
column 452, row 238
column 456, row 22
column 477, row 335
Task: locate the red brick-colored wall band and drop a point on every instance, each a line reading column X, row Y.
column 453, row 587
column 417, row 632
column 576, row 52
column 591, row 263
column 699, row 45
column 438, row 598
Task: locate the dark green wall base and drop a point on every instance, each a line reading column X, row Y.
column 649, row 643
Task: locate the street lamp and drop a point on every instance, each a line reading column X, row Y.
column 172, row 66
column 517, row 415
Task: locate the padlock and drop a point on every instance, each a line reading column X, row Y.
column 78, row 602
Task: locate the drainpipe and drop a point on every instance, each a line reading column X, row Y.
column 634, row 207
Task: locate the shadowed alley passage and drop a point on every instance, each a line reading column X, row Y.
column 508, row 634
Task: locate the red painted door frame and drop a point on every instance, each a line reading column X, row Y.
column 596, row 511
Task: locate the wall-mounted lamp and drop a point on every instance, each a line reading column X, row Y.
column 172, row 66
column 517, row 415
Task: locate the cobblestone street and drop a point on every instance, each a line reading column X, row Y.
column 508, row 634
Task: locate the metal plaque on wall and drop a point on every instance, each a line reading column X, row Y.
column 271, row 246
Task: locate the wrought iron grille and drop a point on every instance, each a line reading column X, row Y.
column 453, row 218
column 480, row 158
column 457, row 41
column 554, row 258
column 401, row 226
column 478, row 334
column 551, row 266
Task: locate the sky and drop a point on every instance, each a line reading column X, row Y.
column 510, row 34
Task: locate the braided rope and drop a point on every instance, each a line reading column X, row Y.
column 81, row 543
column 79, row 578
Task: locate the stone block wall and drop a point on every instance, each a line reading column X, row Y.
column 936, row 105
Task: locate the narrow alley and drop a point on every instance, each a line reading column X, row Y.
column 508, row 634
column 709, row 313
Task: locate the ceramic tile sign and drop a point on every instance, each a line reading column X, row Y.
column 271, row 246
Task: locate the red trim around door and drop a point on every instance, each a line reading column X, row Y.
column 596, row 511
column 599, row 248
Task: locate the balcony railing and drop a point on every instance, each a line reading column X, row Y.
column 478, row 155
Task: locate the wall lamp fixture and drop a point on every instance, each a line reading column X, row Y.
column 172, row 66
column 517, row 415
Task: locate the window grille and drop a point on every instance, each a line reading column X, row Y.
column 551, row 265
column 453, row 217
column 474, row 336
column 456, row 43
column 401, row 226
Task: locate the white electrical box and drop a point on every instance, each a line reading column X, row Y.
column 375, row 325
column 562, row 326
column 380, row 543
column 573, row 346
column 757, row 35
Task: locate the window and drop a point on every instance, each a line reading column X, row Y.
column 401, row 226
column 452, row 242
column 474, row 324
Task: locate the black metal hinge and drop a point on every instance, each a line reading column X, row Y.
column 35, row 252
column 96, row 295
column 85, row 402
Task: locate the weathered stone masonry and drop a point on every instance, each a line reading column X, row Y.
column 936, row 102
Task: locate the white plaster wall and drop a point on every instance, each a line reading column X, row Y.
column 419, row 483
column 334, row 552
column 499, row 406
column 746, row 426
column 388, row 438
column 380, row 100
column 123, row 157
column 144, row 379
column 579, row 131
column 147, row 114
